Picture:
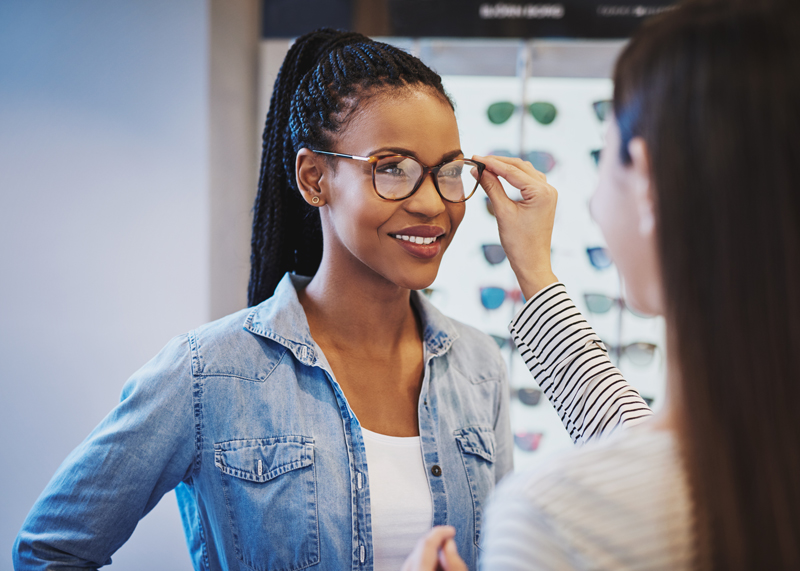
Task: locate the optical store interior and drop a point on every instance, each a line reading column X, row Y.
column 129, row 153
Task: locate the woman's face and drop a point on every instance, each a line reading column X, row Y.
column 371, row 238
column 623, row 206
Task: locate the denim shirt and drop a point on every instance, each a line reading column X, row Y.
column 245, row 419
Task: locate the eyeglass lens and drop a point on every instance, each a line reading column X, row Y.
column 528, row 396
column 528, row 441
column 602, row 109
column 542, row 111
column 599, row 257
column 493, row 297
column 396, row 177
column 494, row 253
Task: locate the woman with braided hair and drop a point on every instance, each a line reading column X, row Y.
column 338, row 418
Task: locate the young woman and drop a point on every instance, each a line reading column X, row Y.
column 332, row 423
column 698, row 200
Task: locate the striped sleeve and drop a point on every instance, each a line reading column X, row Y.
column 571, row 365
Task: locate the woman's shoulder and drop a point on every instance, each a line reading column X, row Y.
column 611, row 501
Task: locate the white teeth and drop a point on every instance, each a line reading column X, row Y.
column 416, row 239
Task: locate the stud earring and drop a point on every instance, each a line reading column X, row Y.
column 315, row 200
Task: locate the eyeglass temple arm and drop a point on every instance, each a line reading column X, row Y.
column 356, row 157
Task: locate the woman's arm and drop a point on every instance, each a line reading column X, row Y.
column 140, row 451
column 571, row 366
column 567, row 358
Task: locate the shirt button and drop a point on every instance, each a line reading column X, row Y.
column 435, row 470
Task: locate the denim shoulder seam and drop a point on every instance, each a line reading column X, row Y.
column 197, row 401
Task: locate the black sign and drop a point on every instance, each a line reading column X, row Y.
column 464, row 18
column 479, row 18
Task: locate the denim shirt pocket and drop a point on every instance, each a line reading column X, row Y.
column 477, row 445
column 271, row 496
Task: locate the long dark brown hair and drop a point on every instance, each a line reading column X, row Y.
column 714, row 90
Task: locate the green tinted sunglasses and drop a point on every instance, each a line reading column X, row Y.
column 500, row 112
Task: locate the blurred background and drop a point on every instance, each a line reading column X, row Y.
column 129, row 147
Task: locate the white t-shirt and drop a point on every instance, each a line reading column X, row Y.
column 400, row 498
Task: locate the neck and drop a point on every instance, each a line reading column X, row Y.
column 347, row 308
column 666, row 418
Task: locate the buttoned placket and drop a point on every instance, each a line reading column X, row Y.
column 362, row 558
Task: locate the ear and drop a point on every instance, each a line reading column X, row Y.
column 308, row 173
column 642, row 185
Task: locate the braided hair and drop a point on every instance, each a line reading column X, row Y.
column 323, row 77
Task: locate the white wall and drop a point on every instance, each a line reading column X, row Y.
column 104, row 228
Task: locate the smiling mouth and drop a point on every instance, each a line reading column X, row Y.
column 416, row 239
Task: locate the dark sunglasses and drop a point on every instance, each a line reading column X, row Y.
column 528, row 441
column 493, row 253
column 596, row 156
column 500, row 112
column 527, row 396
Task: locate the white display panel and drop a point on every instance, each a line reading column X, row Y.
column 570, row 138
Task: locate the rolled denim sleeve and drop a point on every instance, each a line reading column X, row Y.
column 143, row 449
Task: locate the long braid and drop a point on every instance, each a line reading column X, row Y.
column 317, row 88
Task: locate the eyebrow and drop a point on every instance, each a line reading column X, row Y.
column 401, row 151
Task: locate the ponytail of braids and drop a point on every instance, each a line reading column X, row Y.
column 322, row 75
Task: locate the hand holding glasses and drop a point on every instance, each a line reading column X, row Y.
column 397, row 177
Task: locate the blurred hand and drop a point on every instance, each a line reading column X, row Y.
column 436, row 551
column 526, row 227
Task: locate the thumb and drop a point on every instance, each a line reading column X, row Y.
column 449, row 558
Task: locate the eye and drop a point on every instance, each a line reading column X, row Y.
column 391, row 169
column 452, row 170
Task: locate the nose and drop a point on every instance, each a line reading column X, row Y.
column 426, row 201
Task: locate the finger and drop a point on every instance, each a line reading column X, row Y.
column 514, row 173
column 449, row 558
column 425, row 554
column 524, row 166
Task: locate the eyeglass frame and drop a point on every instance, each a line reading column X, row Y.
column 426, row 170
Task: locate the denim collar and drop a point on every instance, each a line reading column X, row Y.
column 282, row 319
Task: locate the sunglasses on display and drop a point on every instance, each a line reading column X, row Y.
column 493, row 297
column 503, row 342
column 397, row 177
column 528, row 441
column 542, row 161
column 493, row 253
column 598, row 257
column 500, row 112
column 599, row 303
column 640, row 353
column 527, row 396
column 602, row 109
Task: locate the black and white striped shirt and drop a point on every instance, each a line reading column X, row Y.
column 571, row 365
column 620, row 502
